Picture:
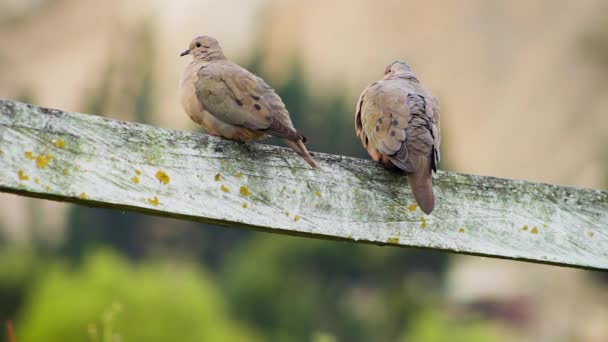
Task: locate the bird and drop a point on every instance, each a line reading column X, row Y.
column 397, row 120
column 229, row 101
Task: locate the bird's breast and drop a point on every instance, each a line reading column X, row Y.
column 187, row 93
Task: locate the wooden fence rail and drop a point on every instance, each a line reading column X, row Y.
column 90, row 160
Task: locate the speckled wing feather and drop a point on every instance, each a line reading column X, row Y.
column 383, row 117
column 236, row 96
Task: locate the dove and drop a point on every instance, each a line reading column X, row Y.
column 229, row 101
column 397, row 120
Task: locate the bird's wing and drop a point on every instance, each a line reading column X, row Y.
column 238, row 97
column 382, row 119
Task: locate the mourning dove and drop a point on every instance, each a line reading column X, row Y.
column 398, row 123
column 229, row 101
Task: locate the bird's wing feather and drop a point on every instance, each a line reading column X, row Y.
column 384, row 116
column 236, row 96
column 436, row 132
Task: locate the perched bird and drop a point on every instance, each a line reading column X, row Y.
column 398, row 123
column 229, row 101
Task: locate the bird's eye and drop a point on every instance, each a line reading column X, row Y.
column 198, row 44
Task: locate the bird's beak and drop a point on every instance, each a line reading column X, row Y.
column 187, row 52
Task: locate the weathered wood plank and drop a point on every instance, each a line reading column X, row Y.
column 94, row 161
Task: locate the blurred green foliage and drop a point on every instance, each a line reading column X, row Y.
column 433, row 326
column 291, row 287
column 273, row 289
column 107, row 297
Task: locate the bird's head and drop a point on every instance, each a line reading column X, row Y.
column 204, row 47
column 398, row 68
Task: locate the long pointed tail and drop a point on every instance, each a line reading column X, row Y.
column 422, row 185
column 300, row 149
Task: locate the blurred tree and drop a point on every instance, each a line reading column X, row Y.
column 89, row 228
column 127, row 85
column 139, row 236
column 107, row 296
column 291, row 287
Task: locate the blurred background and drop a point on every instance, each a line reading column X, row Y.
column 524, row 93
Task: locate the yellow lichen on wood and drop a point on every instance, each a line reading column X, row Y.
column 83, row 196
column 153, row 201
column 162, row 177
column 412, row 207
column 423, row 223
column 224, row 188
column 137, row 172
column 239, row 175
column 244, row 191
column 461, row 230
column 392, row 240
column 524, row 227
column 59, row 143
column 36, row 180
column 534, row 230
column 43, row 160
column 296, row 218
column 245, row 205
column 217, row 177
column 22, row 175
column 29, row 155
column 318, row 194
column 135, row 179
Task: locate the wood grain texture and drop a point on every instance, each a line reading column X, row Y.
column 90, row 160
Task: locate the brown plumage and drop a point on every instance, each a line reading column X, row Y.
column 398, row 123
column 229, row 101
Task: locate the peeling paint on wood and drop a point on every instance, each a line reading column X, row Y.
column 360, row 201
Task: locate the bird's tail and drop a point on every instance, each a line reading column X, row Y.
column 300, row 149
column 421, row 184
